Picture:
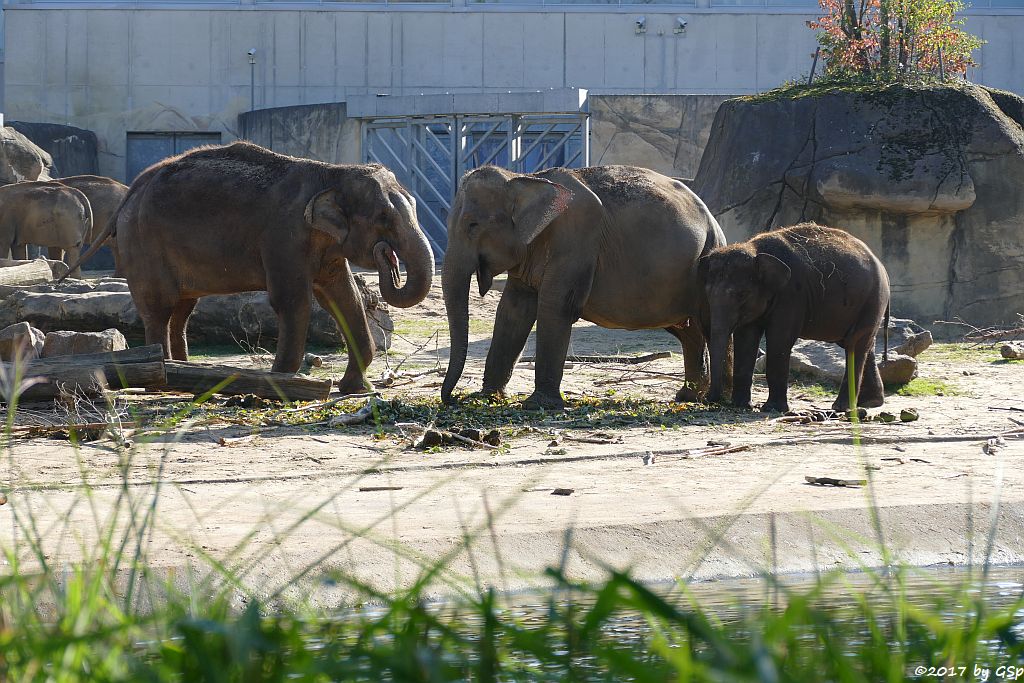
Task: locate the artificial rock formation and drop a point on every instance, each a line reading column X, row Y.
column 929, row 177
column 20, row 159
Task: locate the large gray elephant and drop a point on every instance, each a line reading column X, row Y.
column 237, row 218
column 615, row 245
column 46, row 214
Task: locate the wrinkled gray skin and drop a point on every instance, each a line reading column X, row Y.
column 615, row 245
column 105, row 195
column 240, row 218
column 806, row 282
column 46, row 214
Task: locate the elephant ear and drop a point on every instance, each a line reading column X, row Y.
column 772, row 272
column 703, row 268
column 323, row 213
column 535, row 203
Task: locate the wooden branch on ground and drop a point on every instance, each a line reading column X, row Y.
column 90, row 374
column 627, row 360
column 25, row 273
column 221, row 379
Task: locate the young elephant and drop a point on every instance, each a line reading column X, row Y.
column 808, row 282
column 46, row 214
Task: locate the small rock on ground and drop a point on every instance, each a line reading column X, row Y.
column 67, row 343
column 20, row 336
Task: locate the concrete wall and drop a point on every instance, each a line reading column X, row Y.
column 118, row 70
column 315, row 131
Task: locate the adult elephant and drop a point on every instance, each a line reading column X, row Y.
column 47, row 214
column 615, row 245
column 219, row 220
column 105, row 195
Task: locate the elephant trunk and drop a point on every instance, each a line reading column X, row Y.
column 719, row 349
column 413, row 248
column 455, row 282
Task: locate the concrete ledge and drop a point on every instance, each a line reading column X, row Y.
column 556, row 100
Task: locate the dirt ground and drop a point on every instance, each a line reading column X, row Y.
column 276, row 494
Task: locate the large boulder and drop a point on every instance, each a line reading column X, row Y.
column 20, row 159
column 73, row 150
column 20, row 340
column 929, row 177
column 68, row 343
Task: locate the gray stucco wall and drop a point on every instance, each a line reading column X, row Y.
column 117, row 70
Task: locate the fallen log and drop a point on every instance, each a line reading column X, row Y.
column 195, row 378
column 90, row 374
column 57, row 268
column 25, row 273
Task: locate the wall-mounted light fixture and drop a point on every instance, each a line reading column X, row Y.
column 641, row 25
column 252, row 79
column 680, row 25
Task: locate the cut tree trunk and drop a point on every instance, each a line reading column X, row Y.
column 25, row 273
column 221, row 379
column 92, row 373
column 57, row 268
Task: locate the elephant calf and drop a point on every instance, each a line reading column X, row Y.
column 615, row 245
column 237, row 218
column 807, row 282
column 46, row 214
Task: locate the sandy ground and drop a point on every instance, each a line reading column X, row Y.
column 278, row 502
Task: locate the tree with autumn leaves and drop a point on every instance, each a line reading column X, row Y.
column 893, row 40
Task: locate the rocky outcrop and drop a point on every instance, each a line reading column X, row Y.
column 930, row 178
column 73, row 150
column 20, row 159
column 245, row 318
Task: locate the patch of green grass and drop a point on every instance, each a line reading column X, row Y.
column 927, row 387
column 814, row 389
column 959, row 352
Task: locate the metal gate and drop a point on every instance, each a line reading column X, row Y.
column 430, row 154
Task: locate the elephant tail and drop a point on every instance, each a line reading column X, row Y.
column 108, row 232
column 885, row 347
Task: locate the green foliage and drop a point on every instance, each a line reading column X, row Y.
column 894, row 40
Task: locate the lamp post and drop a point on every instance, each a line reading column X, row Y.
column 252, row 79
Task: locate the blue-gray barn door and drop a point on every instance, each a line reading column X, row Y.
column 145, row 149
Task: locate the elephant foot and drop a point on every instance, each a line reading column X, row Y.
column 487, row 396
column 775, row 407
column 743, row 405
column 542, row 402
column 358, row 385
column 871, row 401
column 687, row 394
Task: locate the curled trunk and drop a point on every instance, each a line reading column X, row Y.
column 455, row 283
column 414, row 250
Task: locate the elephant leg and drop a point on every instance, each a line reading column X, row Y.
column 71, row 257
column 857, row 352
column 341, row 298
column 872, row 393
column 156, row 318
column 178, row 327
column 559, row 305
column 20, row 252
column 517, row 312
column 292, row 304
column 779, row 349
column 55, row 254
column 695, row 360
column 745, row 343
